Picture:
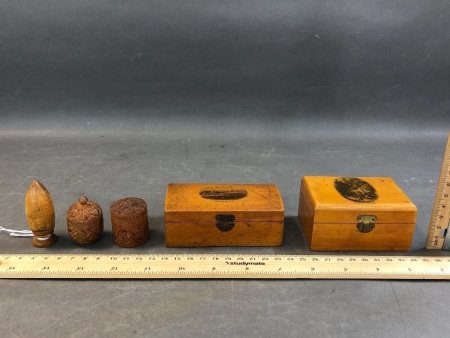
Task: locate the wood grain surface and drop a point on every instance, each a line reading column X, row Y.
column 329, row 220
column 223, row 215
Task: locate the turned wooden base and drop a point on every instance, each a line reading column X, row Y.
column 44, row 243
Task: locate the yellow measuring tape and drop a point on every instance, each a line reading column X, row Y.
column 150, row 266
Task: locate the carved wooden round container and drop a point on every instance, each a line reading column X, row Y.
column 85, row 221
column 129, row 222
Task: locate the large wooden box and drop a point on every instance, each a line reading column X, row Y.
column 223, row 215
column 355, row 214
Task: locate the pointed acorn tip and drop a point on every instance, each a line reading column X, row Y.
column 35, row 184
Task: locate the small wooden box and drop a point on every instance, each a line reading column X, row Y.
column 355, row 214
column 223, row 215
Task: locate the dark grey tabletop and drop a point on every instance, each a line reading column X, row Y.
column 118, row 99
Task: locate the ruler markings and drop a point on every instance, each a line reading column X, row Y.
column 224, row 266
column 440, row 216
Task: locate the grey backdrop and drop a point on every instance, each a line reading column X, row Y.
column 112, row 99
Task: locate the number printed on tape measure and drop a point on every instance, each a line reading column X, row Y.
column 224, row 266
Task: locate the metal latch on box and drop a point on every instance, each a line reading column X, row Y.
column 366, row 223
column 225, row 222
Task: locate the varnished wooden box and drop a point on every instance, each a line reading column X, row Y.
column 355, row 214
column 223, row 215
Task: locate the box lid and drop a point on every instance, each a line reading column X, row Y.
column 204, row 202
column 343, row 199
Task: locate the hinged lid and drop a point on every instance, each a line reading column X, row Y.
column 203, row 202
column 344, row 199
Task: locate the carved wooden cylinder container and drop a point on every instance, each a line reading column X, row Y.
column 129, row 222
column 84, row 221
column 40, row 214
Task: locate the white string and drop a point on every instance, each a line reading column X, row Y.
column 43, row 238
column 16, row 233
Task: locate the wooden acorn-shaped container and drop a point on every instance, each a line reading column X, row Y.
column 40, row 214
column 85, row 221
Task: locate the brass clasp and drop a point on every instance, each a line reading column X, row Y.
column 366, row 223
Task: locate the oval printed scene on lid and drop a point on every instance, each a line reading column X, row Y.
column 355, row 189
column 223, row 194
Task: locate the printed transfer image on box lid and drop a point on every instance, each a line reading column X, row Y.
column 202, row 202
column 341, row 199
